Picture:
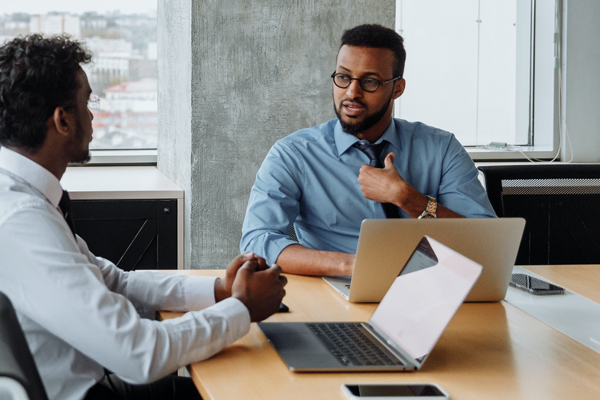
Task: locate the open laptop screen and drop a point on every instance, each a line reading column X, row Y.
column 422, row 257
column 436, row 282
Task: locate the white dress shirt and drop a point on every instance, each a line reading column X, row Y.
column 80, row 312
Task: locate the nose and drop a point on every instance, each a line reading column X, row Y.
column 354, row 90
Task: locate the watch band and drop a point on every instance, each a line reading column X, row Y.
column 430, row 210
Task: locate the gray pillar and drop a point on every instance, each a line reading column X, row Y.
column 234, row 77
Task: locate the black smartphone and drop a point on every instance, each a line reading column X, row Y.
column 404, row 391
column 283, row 308
column 534, row 285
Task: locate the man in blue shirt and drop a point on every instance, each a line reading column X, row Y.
column 316, row 179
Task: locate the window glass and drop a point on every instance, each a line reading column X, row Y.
column 469, row 68
column 123, row 73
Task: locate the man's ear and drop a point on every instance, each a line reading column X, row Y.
column 61, row 120
column 399, row 88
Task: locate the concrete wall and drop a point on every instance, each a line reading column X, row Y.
column 247, row 74
column 581, row 81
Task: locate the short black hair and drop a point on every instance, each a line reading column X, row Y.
column 379, row 37
column 37, row 74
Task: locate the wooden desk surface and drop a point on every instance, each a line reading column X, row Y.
column 581, row 279
column 489, row 351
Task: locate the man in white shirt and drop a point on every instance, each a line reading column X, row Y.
column 80, row 313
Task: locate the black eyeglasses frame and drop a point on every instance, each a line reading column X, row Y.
column 360, row 81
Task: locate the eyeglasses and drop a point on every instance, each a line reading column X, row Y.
column 93, row 102
column 367, row 84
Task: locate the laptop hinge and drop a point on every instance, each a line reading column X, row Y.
column 391, row 346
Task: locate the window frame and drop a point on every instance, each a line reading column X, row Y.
column 545, row 146
column 121, row 157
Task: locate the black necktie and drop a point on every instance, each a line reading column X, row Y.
column 373, row 151
column 65, row 207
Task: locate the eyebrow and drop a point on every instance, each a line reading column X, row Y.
column 365, row 74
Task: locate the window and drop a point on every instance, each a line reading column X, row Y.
column 123, row 73
column 484, row 70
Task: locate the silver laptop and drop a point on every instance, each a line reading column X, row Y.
column 384, row 245
column 401, row 332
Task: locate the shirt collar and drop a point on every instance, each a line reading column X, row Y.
column 32, row 173
column 344, row 141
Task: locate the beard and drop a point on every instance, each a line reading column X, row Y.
column 84, row 159
column 81, row 156
column 370, row 120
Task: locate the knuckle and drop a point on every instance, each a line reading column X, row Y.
column 243, row 271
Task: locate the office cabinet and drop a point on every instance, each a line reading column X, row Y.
column 130, row 215
column 133, row 234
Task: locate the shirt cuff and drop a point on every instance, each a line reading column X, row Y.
column 237, row 315
column 199, row 292
column 274, row 247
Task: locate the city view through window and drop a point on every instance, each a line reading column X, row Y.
column 123, row 73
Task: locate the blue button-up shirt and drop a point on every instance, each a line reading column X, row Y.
column 310, row 179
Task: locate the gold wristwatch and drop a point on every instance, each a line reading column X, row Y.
column 430, row 210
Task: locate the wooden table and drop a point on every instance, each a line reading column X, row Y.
column 581, row 279
column 489, row 351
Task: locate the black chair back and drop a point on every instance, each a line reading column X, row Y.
column 16, row 361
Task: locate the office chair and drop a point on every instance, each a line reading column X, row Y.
column 561, row 204
column 19, row 377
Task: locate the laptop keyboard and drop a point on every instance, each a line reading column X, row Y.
column 349, row 344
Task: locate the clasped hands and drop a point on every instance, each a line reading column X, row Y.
column 249, row 279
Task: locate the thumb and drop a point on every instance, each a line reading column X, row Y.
column 389, row 161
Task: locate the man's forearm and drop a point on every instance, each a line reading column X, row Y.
column 296, row 259
column 414, row 203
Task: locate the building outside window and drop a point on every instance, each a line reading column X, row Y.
column 123, row 73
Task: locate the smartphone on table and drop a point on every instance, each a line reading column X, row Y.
column 398, row 391
column 534, row 285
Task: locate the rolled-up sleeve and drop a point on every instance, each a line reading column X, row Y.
column 273, row 205
column 460, row 189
